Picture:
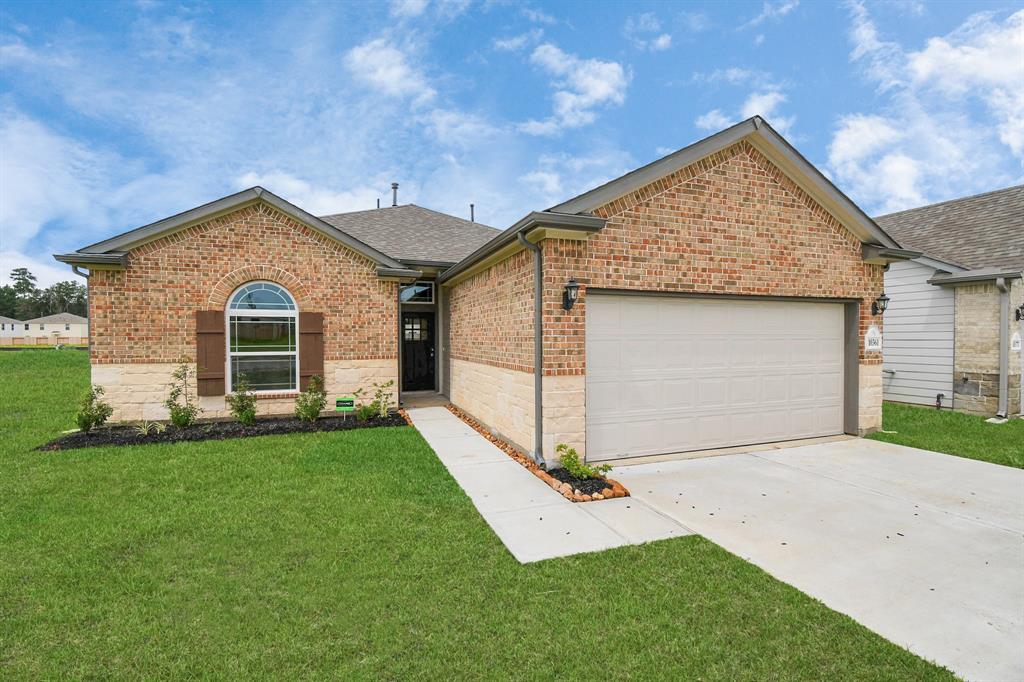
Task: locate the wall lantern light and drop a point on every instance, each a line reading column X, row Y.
column 1020, row 312
column 879, row 305
column 572, row 292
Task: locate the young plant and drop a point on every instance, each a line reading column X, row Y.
column 570, row 461
column 312, row 401
column 382, row 397
column 180, row 403
column 92, row 411
column 144, row 428
column 243, row 402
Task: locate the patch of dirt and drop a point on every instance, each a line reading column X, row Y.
column 270, row 426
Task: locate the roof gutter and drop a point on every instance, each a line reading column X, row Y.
column 969, row 276
column 883, row 255
column 117, row 260
column 538, row 347
column 559, row 221
column 401, row 274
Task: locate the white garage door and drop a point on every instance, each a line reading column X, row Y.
column 669, row 374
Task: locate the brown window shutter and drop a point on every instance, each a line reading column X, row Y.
column 311, row 347
column 210, row 351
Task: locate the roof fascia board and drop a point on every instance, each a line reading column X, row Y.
column 939, row 264
column 982, row 275
column 224, row 205
column 485, row 255
column 399, row 274
column 883, row 255
column 94, row 261
column 768, row 142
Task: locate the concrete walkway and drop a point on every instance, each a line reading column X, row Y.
column 534, row 521
column 925, row 549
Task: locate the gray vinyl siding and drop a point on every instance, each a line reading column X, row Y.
column 917, row 343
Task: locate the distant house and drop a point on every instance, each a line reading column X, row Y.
column 953, row 327
column 59, row 328
column 9, row 327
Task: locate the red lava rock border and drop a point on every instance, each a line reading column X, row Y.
column 405, row 416
column 614, row 489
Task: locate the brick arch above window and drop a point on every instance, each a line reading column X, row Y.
column 230, row 282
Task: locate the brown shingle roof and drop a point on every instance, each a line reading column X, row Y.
column 60, row 318
column 984, row 230
column 413, row 233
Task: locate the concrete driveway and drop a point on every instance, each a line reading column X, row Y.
column 923, row 548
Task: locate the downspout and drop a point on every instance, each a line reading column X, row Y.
column 1004, row 346
column 538, row 348
column 398, row 382
column 88, row 318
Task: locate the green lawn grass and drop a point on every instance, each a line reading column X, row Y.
column 954, row 433
column 352, row 556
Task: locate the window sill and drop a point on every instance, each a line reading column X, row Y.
column 277, row 395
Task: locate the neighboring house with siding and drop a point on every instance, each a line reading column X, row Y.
column 719, row 296
column 953, row 323
column 57, row 328
column 9, row 327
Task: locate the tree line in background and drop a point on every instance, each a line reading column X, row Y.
column 23, row 300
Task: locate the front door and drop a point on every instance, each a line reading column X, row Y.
column 418, row 351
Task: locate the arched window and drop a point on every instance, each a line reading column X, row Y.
column 263, row 338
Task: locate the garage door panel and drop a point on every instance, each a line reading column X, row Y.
column 673, row 375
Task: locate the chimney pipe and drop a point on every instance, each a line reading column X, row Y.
column 378, row 202
column 472, row 214
column 394, row 194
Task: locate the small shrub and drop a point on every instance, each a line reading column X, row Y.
column 312, row 401
column 92, row 411
column 365, row 413
column 243, row 402
column 184, row 413
column 570, row 461
column 382, row 397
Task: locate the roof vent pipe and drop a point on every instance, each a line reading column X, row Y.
column 378, row 202
column 394, row 194
column 472, row 214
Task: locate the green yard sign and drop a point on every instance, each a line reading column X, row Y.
column 345, row 404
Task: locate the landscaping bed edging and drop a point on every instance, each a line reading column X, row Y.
column 568, row 487
column 128, row 434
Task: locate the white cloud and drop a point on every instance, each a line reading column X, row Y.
column 518, row 42
column 764, row 103
column 950, row 118
column 644, row 31
column 773, row 11
column 694, row 22
column 547, row 182
column 581, row 85
column 408, row 8
column 538, row 17
column 456, row 128
column 713, row 120
column 315, row 200
column 383, row 66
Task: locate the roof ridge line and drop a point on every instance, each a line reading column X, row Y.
column 949, row 201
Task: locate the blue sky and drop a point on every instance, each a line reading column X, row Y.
column 113, row 115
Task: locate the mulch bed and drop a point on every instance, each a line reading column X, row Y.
column 218, row 430
column 560, row 480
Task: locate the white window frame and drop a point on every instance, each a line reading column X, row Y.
column 67, row 326
column 433, row 293
column 261, row 312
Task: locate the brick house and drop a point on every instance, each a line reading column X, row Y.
column 953, row 329
column 723, row 295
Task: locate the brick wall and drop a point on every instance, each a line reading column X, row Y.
column 729, row 224
column 146, row 313
column 143, row 318
column 492, row 315
column 976, row 349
